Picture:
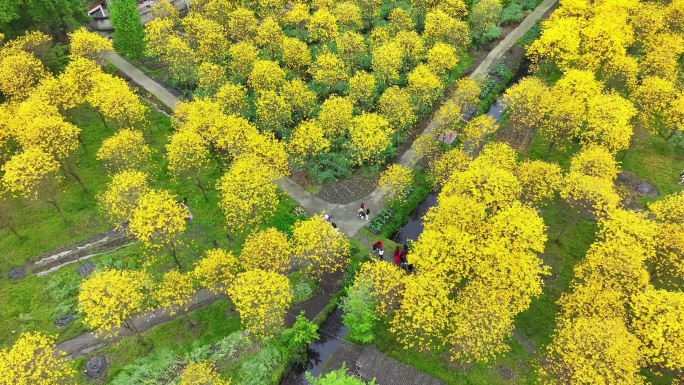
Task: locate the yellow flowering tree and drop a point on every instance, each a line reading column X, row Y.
column 658, row 316
column 211, row 77
column 442, row 28
column 20, row 73
column 88, row 45
column 539, row 180
column 386, row 63
column 396, row 107
column 269, row 37
column 669, row 215
column 121, row 197
column 386, row 282
column 248, row 195
column 273, row 112
column 216, row 270
column 352, row 48
column 32, row 174
column 188, row 157
column 336, row 116
column 442, row 58
column 262, row 299
column 395, row 182
column 477, row 128
column 233, row 99
column 322, row 249
column 301, row 99
column 242, row 25
column 159, row 221
column 424, row 85
column 268, row 250
column 370, row 136
column 296, row 54
column 525, row 103
column 109, row 299
column 451, row 161
column 174, row 292
column 348, row 15
column 242, row 55
column 587, row 350
column 32, row 359
column 266, row 75
column 114, row 100
column 125, row 150
column 329, row 70
column 322, row 26
column 362, row 89
column 307, row 140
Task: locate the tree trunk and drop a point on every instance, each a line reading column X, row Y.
column 80, row 141
column 199, row 184
column 71, row 172
column 59, row 211
column 130, row 326
column 175, row 257
column 549, row 150
column 103, row 119
column 674, row 130
column 187, row 317
column 567, row 224
column 10, row 228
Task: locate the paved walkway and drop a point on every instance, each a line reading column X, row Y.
column 142, row 80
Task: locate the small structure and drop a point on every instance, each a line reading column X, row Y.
column 100, row 14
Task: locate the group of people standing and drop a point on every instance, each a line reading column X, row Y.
column 400, row 254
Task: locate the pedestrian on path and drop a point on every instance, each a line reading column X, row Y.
column 377, row 246
column 334, row 225
column 367, row 214
column 397, row 253
column 681, row 177
column 362, row 211
column 326, row 217
column 381, row 253
column 397, row 260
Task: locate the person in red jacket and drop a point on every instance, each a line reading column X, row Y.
column 397, row 256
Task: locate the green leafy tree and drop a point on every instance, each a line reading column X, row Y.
column 359, row 313
column 55, row 16
column 129, row 35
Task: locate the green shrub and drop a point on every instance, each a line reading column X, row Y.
column 63, row 288
column 227, row 348
column 338, row 377
column 151, row 369
column 329, row 167
column 380, row 219
column 491, row 34
column 512, row 14
column 359, row 313
column 257, row 369
column 294, row 341
column 501, row 70
column 301, row 292
column 529, row 5
column 531, row 35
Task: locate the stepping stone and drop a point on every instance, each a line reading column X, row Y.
column 17, row 273
column 95, row 366
column 647, row 189
column 64, row 321
column 86, row 268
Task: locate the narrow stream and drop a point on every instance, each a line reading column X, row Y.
column 319, row 351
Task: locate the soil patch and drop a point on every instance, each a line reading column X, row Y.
column 348, row 190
